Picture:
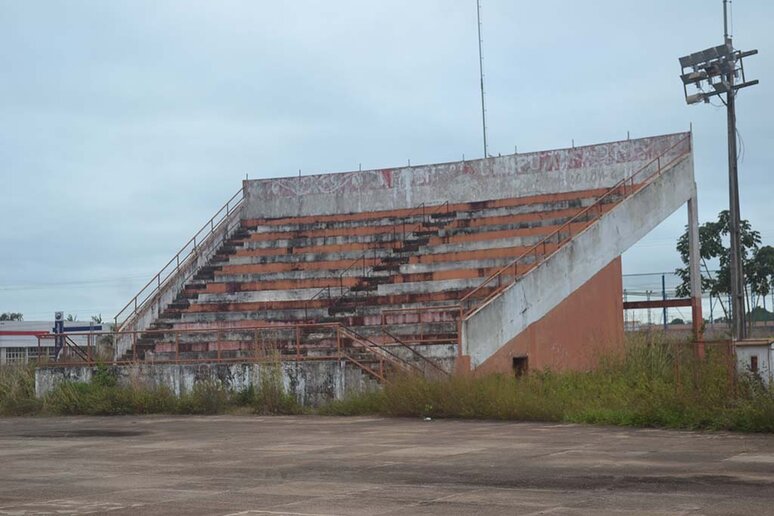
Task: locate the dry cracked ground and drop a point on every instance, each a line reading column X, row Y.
column 322, row 466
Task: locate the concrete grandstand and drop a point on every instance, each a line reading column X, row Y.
column 494, row 265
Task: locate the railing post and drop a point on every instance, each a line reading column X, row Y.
column 134, row 346
column 177, row 347
column 217, row 344
column 298, row 342
column 459, row 332
column 338, row 342
column 89, row 339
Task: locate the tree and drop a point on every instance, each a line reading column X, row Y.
column 677, row 320
column 71, row 318
column 11, row 316
column 762, row 273
column 712, row 246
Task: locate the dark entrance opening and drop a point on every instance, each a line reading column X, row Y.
column 754, row 363
column 520, row 366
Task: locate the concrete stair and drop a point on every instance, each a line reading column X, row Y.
column 351, row 270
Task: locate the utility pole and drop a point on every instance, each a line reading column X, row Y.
column 718, row 68
column 736, row 261
column 481, row 74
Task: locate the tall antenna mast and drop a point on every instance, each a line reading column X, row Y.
column 481, row 74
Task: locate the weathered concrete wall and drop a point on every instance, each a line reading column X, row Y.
column 764, row 352
column 514, row 175
column 538, row 292
column 575, row 334
column 311, row 382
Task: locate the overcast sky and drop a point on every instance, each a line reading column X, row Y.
column 124, row 125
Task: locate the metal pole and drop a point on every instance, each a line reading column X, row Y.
column 695, row 272
column 663, row 297
column 481, row 74
column 737, row 270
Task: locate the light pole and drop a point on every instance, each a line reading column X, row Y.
column 709, row 73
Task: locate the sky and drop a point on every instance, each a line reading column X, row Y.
column 125, row 125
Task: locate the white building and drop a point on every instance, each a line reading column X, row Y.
column 19, row 339
column 756, row 356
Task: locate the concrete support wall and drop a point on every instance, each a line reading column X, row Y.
column 515, row 175
column 543, row 288
column 575, row 334
column 311, row 382
column 694, row 258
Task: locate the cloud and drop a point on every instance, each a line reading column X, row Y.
column 126, row 124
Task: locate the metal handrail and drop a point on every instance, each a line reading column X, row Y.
column 415, row 352
column 387, row 354
column 88, row 355
column 159, row 281
column 567, row 226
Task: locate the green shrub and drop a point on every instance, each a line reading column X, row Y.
column 207, row 397
column 271, row 397
column 654, row 383
column 17, row 391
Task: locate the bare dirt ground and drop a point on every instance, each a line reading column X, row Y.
column 322, row 466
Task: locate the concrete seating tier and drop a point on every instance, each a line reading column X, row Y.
column 352, row 268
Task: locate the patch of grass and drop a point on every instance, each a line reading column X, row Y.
column 104, row 395
column 355, row 404
column 654, row 384
column 17, row 391
column 271, row 397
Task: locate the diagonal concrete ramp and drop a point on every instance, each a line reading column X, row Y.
column 541, row 289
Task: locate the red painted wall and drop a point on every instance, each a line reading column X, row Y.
column 572, row 336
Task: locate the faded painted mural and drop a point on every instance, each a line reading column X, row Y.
column 504, row 176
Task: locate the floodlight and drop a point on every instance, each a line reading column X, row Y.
column 713, row 72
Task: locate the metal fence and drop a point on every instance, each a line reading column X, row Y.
column 663, row 286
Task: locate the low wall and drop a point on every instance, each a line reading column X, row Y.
column 311, row 382
column 514, row 175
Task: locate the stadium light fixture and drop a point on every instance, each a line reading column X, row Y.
column 714, row 72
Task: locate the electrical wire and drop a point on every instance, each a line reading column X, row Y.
column 73, row 284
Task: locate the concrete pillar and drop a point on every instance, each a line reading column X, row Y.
column 694, row 255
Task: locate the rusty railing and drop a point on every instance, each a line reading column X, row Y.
column 254, row 343
column 226, row 215
column 509, row 274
